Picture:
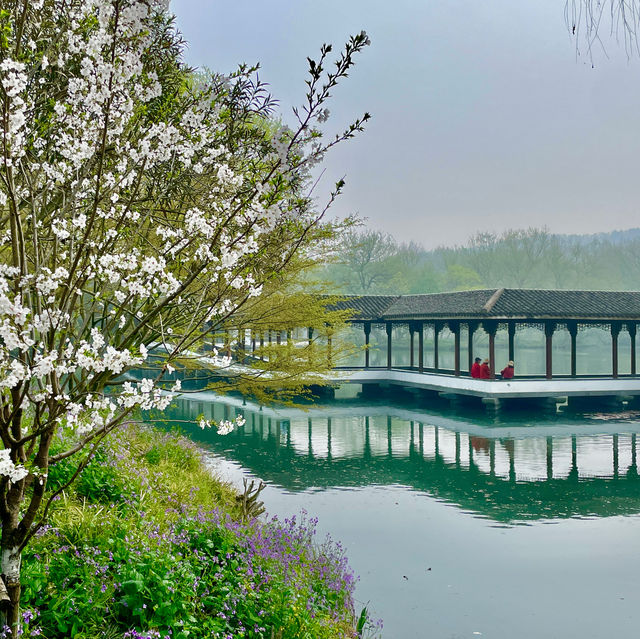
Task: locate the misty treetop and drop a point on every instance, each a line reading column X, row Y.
column 372, row 262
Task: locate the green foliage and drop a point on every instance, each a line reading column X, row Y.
column 6, row 29
column 373, row 263
column 170, row 555
column 461, row 278
column 99, row 481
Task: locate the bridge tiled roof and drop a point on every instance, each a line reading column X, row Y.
column 366, row 307
column 439, row 304
column 503, row 303
column 578, row 304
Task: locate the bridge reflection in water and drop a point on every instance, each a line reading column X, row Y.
column 508, row 469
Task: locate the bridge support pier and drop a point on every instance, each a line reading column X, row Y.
column 491, row 404
column 633, row 401
column 596, row 402
column 323, row 392
column 371, row 390
column 542, row 404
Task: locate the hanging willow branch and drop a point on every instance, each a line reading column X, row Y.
column 589, row 21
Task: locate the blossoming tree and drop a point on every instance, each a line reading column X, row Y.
column 139, row 207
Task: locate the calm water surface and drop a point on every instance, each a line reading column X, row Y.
column 460, row 523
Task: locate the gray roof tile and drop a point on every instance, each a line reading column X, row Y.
column 366, row 307
column 443, row 305
column 499, row 304
column 568, row 304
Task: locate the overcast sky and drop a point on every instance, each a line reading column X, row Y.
column 484, row 117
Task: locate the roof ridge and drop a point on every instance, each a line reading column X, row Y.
column 492, row 300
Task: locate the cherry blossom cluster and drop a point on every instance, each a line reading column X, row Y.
column 223, row 427
column 15, row 472
column 139, row 202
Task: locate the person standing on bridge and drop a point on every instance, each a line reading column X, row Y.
column 485, row 371
column 475, row 368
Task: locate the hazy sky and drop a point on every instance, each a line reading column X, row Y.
column 484, row 117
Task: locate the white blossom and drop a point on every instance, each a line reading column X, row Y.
column 8, row 469
column 134, row 223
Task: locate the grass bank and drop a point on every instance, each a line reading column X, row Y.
column 149, row 545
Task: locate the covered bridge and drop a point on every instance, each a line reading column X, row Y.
column 494, row 310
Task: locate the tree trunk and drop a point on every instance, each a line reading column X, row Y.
column 10, row 562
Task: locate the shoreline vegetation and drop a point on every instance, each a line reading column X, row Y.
column 149, row 544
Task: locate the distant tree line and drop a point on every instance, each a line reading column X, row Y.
column 373, row 262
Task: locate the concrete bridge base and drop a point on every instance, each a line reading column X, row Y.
column 556, row 390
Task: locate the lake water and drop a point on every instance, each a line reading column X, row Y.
column 460, row 522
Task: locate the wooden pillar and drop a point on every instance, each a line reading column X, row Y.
column 279, row 337
column 492, row 355
column 367, row 337
column 389, row 343
column 262, row 345
column 491, row 328
column 241, row 351
column 471, row 327
column 455, row 329
column 549, row 458
column 549, row 328
column 572, row 327
column 511, row 328
column 632, row 335
column 421, row 347
column 227, row 342
column 437, row 326
column 310, row 343
column 253, row 341
column 411, row 342
column 329, row 349
column 615, row 332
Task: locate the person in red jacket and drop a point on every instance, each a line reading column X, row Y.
column 508, row 371
column 475, row 368
column 485, row 371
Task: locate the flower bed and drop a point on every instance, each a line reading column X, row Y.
column 149, row 544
